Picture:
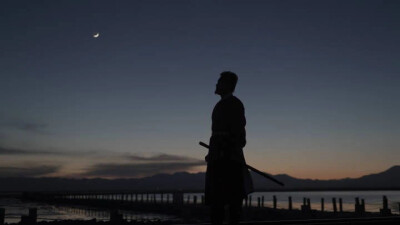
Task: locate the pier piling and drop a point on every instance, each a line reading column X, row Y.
column 357, row 207
column 322, row 205
column 115, row 217
column 385, row 211
column 2, row 215
column 31, row 218
column 362, row 206
column 334, row 205
column 262, row 201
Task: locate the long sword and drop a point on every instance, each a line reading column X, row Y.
column 251, row 168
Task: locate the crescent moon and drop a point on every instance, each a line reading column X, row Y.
column 96, row 35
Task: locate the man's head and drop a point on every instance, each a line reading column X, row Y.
column 226, row 83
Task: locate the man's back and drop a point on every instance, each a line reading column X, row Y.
column 228, row 128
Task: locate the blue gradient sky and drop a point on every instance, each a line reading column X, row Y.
column 319, row 81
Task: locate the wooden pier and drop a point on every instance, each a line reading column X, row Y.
column 190, row 207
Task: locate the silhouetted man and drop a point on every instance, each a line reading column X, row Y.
column 226, row 174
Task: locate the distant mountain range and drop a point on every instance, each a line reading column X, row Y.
column 387, row 180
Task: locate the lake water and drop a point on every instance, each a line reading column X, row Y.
column 15, row 208
column 373, row 199
column 373, row 202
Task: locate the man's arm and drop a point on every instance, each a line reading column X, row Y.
column 237, row 125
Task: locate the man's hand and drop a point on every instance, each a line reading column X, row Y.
column 207, row 158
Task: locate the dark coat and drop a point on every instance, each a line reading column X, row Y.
column 227, row 178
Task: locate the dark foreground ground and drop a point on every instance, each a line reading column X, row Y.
column 395, row 220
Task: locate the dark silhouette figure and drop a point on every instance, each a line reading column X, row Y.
column 226, row 174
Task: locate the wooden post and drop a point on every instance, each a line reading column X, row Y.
column 258, row 202
column 275, row 201
column 188, row 200
column 357, row 207
column 115, row 217
column 250, row 201
column 322, row 205
column 362, row 206
column 304, row 206
column 385, row 211
column 31, row 218
column 33, row 214
column 308, row 204
column 385, row 202
column 334, row 205
column 262, row 201
column 195, row 200
column 340, row 205
column 399, row 207
column 290, row 203
column 177, row 198
column 2, row 215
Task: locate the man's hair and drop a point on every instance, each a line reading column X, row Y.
column 231, row 78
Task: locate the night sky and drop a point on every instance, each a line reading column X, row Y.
column 319, row 80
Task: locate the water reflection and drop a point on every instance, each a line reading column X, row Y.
column 16, row 208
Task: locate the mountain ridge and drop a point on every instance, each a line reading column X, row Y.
column 386, row 180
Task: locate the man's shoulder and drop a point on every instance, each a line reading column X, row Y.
column 235, row 100
column 231, row 101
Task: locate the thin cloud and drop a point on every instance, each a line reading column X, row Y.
column 140, row 169
column 23, row 151
column 34, row 171
column 26, row 126
column 19, row 151
column 161, row 158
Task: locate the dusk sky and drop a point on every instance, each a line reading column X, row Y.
column 319, row 81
